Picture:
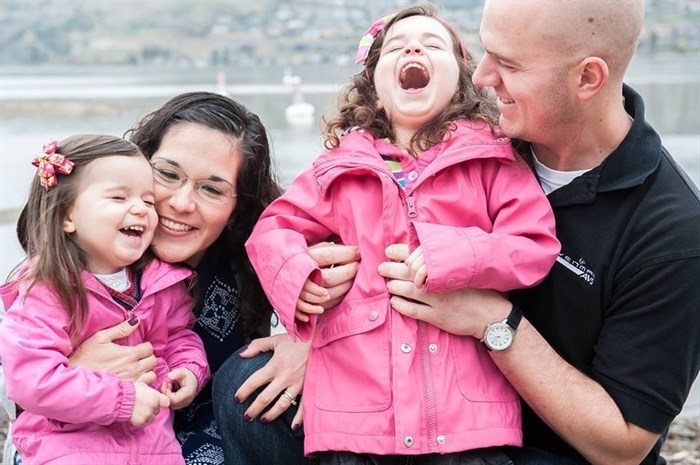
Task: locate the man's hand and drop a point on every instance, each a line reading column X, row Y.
column 464, row 312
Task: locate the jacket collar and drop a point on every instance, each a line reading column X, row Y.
column 360, row 144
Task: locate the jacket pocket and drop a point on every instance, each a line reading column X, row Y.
column 350, row 362
column 478, row 378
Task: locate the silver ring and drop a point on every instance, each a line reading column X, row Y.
column 289, row 397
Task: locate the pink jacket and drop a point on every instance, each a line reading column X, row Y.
column 81, row 417
column 378, row 382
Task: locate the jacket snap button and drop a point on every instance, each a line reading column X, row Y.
column 408, row 441
column 405, row 348
column 433, row 348
column 373, row 315
column 412, row 176
column 441, row 439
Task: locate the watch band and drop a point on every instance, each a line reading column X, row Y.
column 514, row 317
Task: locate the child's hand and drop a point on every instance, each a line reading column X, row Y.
column 312, row 295
column 416, row 263
column 147, row 404
column 181, row 389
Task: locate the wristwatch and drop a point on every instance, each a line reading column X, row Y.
column 499, row 336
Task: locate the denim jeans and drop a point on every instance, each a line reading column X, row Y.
column 490, row 456
column 532, row 456
column 252, row 442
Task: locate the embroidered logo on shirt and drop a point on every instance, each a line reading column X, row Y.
column 218, row 315
column 579, row 267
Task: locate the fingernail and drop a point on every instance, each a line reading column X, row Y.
column 246, row 417
column 239, row 401
column 133, row 321
column 295, row 427
column 264, row 420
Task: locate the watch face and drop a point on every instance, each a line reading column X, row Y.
column 499, row 336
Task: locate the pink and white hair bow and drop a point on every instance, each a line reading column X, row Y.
column 49, row 164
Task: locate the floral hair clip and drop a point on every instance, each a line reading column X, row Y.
column 50, row 163
column 368, row 39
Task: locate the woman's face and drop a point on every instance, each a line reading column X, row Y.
column 187, row 224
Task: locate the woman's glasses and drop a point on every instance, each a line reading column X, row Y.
column 211, row 191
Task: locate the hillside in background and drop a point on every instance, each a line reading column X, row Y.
column 186, row 33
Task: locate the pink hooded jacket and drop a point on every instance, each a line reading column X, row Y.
column 378, row 382
column 81, row 417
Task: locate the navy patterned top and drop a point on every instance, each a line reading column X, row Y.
column 220, row 325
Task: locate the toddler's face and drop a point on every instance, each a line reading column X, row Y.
column 113, row 217
column 417, row 72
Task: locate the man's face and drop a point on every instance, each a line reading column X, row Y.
column 528, row 74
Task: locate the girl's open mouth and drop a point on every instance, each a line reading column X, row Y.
column 413, row 76
column 133, row 231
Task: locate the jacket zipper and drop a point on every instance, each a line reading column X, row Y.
column 410, row 198
column 429, row 388
column 411, row 203
column 422, row 328
column 126, row 426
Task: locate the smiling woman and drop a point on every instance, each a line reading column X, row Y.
column 213, row 173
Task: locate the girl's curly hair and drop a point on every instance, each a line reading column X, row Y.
column 357, row 101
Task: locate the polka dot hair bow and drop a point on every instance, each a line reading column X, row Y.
column 49, row 164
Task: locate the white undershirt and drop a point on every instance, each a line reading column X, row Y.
column 118, row 281
column 550, row 179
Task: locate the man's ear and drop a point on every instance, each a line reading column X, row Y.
column 593, row 74
column 68, row 225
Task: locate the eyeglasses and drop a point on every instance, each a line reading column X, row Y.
column 211, row 191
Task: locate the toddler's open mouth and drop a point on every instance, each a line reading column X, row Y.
column 133, row 231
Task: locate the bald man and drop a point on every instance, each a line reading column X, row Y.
column 609, row 343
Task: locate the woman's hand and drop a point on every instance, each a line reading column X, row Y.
column 339, row 265
column 284, row 372
column 464, row 312
column 130, row 363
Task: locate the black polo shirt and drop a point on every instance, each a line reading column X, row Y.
column 622, row 302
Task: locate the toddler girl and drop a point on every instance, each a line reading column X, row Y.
column 419, row 161
column 86, row 226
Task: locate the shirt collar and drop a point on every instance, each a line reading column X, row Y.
column 637, row 156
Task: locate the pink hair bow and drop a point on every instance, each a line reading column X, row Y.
column 50, row 163
column 368, row 39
